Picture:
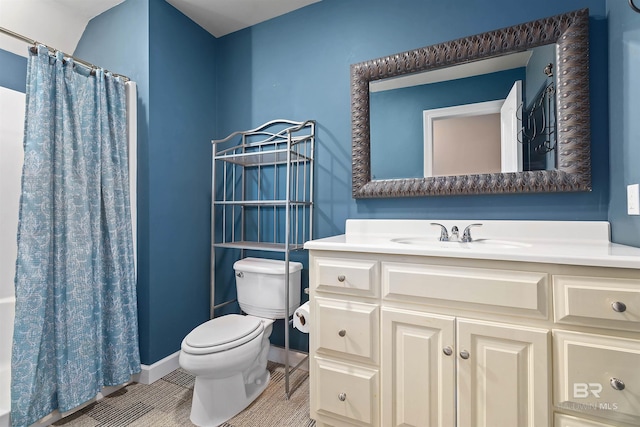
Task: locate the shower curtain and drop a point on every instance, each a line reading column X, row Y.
column 76, row 318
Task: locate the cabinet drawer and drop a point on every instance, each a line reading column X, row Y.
column 347, row 392
column 347, row 276
column 597, row 301
column 347, row 327
column 506, row 291
column 585, row 369
column 562, row 420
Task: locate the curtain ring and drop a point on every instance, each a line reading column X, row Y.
column 633, row 6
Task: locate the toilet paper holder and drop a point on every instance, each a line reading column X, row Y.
column 301, row 317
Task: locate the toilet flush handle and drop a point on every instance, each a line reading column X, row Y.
column 240, row 274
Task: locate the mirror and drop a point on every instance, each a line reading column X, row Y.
column 527, row 83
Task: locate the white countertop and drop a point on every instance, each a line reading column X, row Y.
column 555, row 242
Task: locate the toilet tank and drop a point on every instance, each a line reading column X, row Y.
column 260, row 285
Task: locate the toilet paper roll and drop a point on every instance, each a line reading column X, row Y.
column 301, row 318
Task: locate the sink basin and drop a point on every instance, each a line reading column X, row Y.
column 431, row 242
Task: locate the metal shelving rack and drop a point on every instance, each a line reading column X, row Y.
column 262, row 197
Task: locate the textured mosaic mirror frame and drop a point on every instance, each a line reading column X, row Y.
column 570, row 33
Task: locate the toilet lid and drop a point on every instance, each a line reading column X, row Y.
column 223, row 333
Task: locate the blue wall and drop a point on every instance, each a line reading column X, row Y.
column 13, row 71
column 297, row 66
column 624, row 88
column 182, row 118
column 172, row 60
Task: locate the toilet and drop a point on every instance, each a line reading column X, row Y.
column 228, row 354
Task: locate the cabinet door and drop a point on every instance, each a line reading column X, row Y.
column 503, row 375
column 418, row 378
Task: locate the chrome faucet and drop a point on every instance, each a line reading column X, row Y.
column 466, row 235
column 444, row 235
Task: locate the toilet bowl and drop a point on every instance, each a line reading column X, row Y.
column 228, row 356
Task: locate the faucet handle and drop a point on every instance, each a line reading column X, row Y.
column 454, row 232
column 466, row 234
column 444, row 236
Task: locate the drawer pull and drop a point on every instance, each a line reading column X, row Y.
column 342, row 397
column 342, row 332
column 617, row 384
column 619, row 307
column 448, row 351
column 464, row 354
column 341, row 278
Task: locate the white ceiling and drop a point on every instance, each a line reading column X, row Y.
column 221, row 17
column 60, row 23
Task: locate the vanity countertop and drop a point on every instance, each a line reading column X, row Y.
column 556, row 242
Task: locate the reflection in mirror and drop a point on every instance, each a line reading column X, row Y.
column 399, row 103
column 489, row 116
column 462, row 139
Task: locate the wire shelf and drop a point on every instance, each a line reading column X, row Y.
column 262, row 187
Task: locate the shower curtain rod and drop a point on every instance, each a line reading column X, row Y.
column 35, row 43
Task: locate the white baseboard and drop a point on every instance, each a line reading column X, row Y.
column 152, row 373
column 276, row 354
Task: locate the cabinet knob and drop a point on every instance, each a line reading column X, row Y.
column 447, row 350
column 342, row 397
column 618, row 306
column 342, row 332
column 341, row 278
column 617, row 384
column 464, row 354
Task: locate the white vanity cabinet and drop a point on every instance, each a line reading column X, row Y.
column 422, row 341
column 388, row 350
column 597, row 356
column 497, row 372
column 344, row 341
column 429, row 336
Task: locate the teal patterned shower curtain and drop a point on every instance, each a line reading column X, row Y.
column 76, row 327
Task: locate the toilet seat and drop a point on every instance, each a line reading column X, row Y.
column 222, row 333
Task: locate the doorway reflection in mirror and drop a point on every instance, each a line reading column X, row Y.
column 525, row 128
